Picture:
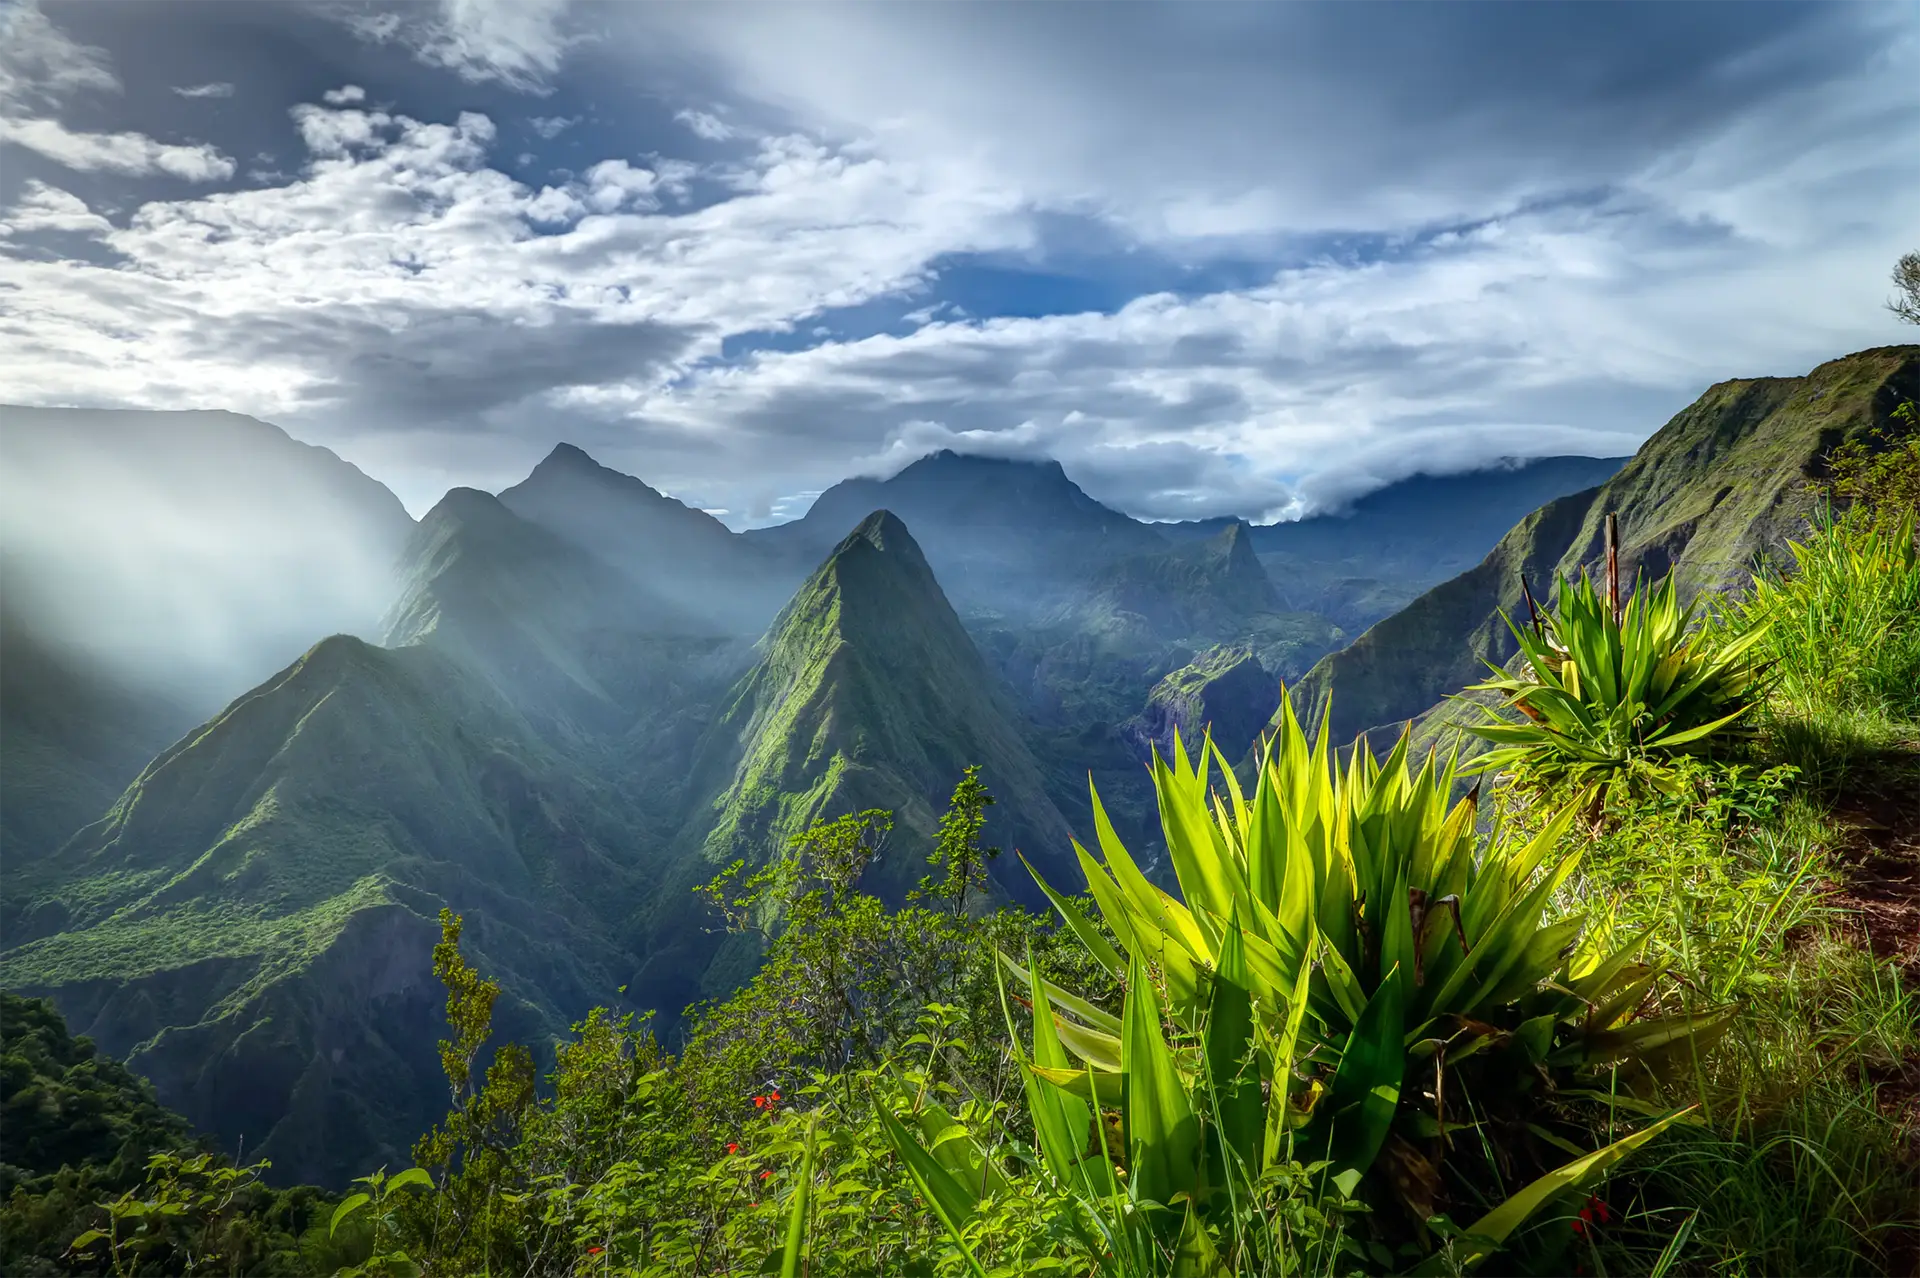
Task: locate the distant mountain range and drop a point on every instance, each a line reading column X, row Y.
column 567, row 704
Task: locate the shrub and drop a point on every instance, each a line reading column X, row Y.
column 1611, row 696
column 1353, row 980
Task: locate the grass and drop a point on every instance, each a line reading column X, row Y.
column 1807, row 1161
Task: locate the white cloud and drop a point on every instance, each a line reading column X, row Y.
column 518, row 43
column 134, row 154
column 41, row 66
column 216, row 89
column 400, row 286
column 47, row 208
column 552, row 126
column 345, row 95
column 705, row 125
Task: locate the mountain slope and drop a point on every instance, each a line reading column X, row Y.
column 684, row 555
column 1367, row 561
column 250, row 924
column 568, row 639
column 195, row 552
column 1002, row 536
column 72, row 735
column 868, row 693
column 1718, row 484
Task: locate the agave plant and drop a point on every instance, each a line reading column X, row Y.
column 1350, row 978
column 1610, row 693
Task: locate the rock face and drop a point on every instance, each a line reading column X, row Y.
column 1225, row 690
column 1722, row 482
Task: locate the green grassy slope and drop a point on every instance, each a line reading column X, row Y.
column 1718, row 484
column 250, row 923
column 868, row 693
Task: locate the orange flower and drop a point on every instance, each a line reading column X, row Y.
column 733, row 1147
column 759, row 1102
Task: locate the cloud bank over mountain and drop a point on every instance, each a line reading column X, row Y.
column 1223, row 260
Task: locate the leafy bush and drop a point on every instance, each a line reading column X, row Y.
column 1611, row 695
column 1351, row 979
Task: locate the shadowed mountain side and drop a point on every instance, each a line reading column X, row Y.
column 1003, row 536
column 685, row 556
column 250, row 925
column 1374, row 557
column 868, row 693
column 1719, row 484
column 573, row 642
column 71, row 737
column 1225, row 692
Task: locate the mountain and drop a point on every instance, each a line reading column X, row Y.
column 1369, row 560
column 72, row 735
column 194, row 553
column 570, row 640
column 867, row 693
column 1206, row 587
column 1003, row 536
column 1225, row 691
column 1720, row 483
column 686, row 556
column 250, row 924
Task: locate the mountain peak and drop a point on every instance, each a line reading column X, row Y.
column 466, row 505
column 947, row 460
column 884, row 530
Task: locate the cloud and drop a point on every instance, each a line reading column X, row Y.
column 1265, row 121
column 46, row 208
column 134, row 154
column 215, row 89
column 400, row 291
column 1352, row 278
column 518, row 43
column 552, row 126
column 41, row 66
column 705, row 125
column 345, row 95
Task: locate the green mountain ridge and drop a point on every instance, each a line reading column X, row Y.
column 868, row 693
column 250, row 923
column 1720, row 483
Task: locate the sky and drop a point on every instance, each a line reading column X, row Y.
column 1216, row 259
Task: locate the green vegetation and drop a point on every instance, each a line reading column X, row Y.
column 1612, row 694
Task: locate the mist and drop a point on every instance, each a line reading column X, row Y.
column 193, row 554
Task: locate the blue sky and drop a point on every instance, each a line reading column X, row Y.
column 1215, row 258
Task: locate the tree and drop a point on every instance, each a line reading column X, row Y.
column 957, row 848
column 1906, row 282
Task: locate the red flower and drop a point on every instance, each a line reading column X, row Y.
column 1600, row 1211
column 759, row 1102
column 595, row 1251
column 733, row 1147
column 776, row 1094
column 766, row 1173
